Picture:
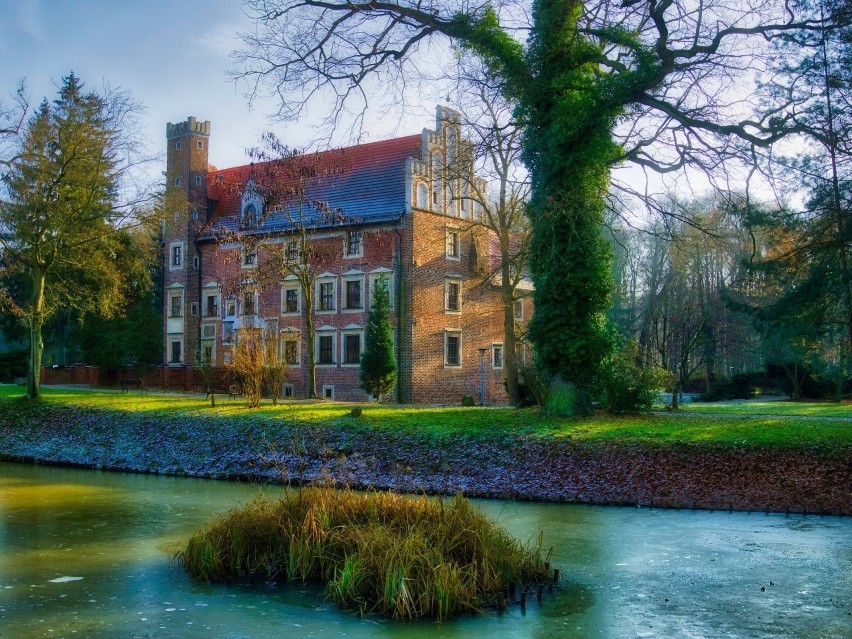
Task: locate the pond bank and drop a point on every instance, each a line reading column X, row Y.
column 524, row 467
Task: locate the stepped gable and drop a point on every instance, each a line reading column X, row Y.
column 364, row 184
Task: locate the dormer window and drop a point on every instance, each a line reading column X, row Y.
column 250, row 215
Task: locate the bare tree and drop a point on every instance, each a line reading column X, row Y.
column 286, row 179
column 12, row 118
column 487, row 170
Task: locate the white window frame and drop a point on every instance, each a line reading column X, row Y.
column 287, row 386
column 343, row 334
column 172, row 340
column 291, row 285
column 326, row 332
column 456, row 333
column 346, row 237
column 193, row 309
column 205, row 331
column 519, row 303
column 207, row 292
column 447, row 281
column 199, row 144
column 244, row 256
column 354, row 277
column 176, row 293
column 229, row 331
column 495, row 346
column 453, row 232
column 328, row 391
column 178, row 145
column 172, row 246
column 255, row 303
column 326, row 278
column 211, row 342
column 289, row 335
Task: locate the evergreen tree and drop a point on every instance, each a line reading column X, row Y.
column 59, row 210
column 378, row 365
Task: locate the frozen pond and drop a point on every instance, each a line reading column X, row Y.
column 88, row 554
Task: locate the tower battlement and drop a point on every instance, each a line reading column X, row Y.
column 190, row 126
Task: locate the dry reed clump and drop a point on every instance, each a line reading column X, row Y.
column 375, row 551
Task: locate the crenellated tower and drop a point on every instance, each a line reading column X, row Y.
column 185, row 210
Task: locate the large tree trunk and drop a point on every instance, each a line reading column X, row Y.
column 510, row 355
column 35, row 320
column 312, row 356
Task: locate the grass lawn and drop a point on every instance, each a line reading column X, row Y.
column 763, row 407
column 781, row 429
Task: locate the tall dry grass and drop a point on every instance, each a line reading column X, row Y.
column 377, row 552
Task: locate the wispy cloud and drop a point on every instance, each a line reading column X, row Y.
column 219, row 40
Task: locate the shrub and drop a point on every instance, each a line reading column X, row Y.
column 740, row 386
column 376, row 551
column 532, row 389
column 627, row 387
column 13, row 364
column 467, row 400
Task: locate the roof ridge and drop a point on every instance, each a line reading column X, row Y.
column 361, row 146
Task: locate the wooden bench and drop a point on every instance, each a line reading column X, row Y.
column 127, row 384
column 221, row 389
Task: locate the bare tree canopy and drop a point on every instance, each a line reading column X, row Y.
column 661, row 83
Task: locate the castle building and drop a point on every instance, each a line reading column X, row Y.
column 278, row 244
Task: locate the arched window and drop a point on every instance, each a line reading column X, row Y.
column 250, row 215
column 422, row 199
column 437, row 181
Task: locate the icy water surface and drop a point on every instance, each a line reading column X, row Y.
column 88, row 554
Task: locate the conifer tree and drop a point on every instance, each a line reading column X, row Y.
column 61, row 213
column 378, row 365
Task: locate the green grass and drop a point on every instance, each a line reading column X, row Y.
column 780, row 427
column 759, row 407
column 375, row 551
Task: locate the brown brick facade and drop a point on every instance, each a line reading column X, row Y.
column 432, row 251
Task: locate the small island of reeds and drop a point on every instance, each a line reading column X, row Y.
column 376, row 552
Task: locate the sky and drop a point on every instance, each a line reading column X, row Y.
column 173, row 56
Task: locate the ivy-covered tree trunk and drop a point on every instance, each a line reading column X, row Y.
column 569, row 149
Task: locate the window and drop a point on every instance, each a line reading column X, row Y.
column 326, row 294
column 249, row 303
column 176, row 305
column 250, row 215
column 328, row 391
column 176, row 356
column 195, row 262
column 197, row 180
column 207, row 353
column 211, row 306
column 377, row 277
column 227, row 333
column 208, row 331
column 231, row 307
column 290, row 348
column 287, row 390
column 519, row 310
column 452, row 296
column 199, row 144
column 422, row 197
column 249, row 255
column 437, row 178
column 453, row 244
column 193, row 309
column 290, row 300
column 293, row 251
column 325, row 349
column 178, row 145
column 177, row 181
column 176, row 256
column 452, row 348
column 352, row 348
column 354, row 244
column 497, row 356
column 270, row 332
column 354, row 299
